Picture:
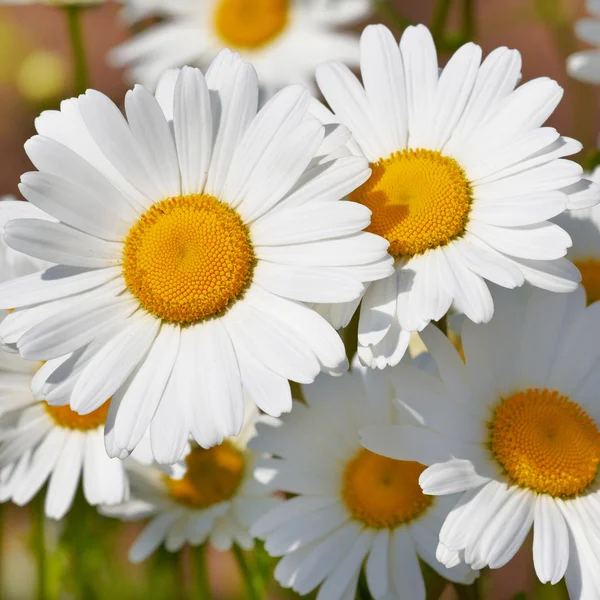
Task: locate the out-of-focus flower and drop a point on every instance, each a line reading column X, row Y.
column 186, row 240
column 585, row 65
column 39, row 441
column 464, row 180
column 42, row 76
column 284, row 39
column 584, row 228
column 217, row 499
column 54, row 2
column 349, row 504
column 515, row 430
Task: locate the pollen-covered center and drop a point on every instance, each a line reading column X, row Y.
column 545, row 442
column 63, row 416
column 188, row 258
column 212, row 476
column 250, row 24
column 382, row 492
column 590, row 278
column 420, row 200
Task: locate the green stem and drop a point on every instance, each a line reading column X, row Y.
column 468, row 592
column 389, row 13
column 440, row 17
column 253, row 587
column 38, row 545
column 468, row 24
column 443, row 324
column 77, row 48
column 201, row 580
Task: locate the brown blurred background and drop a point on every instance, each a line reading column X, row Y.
column 35, row 73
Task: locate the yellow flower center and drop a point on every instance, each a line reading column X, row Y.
column 250, row 24
column 590, row 278
column 420, row 200
column 188, row 258
column 382, row 492
column 212, row 476
column 545, row 442
column 63, row 416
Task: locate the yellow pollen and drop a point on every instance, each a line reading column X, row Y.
column 250, row 24
column 545, row 442
column 63, row 416
column 382, row 492
column 420, row 200
column 590, row 278
column 188, row 258
column 212, row 476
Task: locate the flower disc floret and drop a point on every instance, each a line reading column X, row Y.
column 420, row 200
column 188, row 258
column 63, row 416
column 250, row 24
column 382, row 492
column 212, row 476
column 590, row 278
column 545, row 442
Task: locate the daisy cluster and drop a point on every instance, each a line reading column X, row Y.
column 177, row 264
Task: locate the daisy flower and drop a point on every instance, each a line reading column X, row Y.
column 584, row 228
column 464, row 180
column 585, row 65
column 284, row 39
column 186, row 241
column 42, row 442
column 515, row 430
column 350, row 505
column 216, row 500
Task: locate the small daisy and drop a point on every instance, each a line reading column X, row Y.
column 284, row 39
column 350, row 505
column 515, row 429
column 584, row 228
column 217, row 499
column 42, row 442
column 585, row 65
column 464, row 180
column 186, row 241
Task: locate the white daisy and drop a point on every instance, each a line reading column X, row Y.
column 350, row 505
column 186, row 240
column 41, row 442
column 284, row 39
column 585, row 65
column 515, row 430
column 464, row 178
column 217, row 499
column 584, row 228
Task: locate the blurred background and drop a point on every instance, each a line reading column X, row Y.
column 35, row 74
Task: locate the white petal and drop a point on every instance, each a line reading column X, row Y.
column 550, row 541
column 141, row 398
column 151, row 131
column 233, row 101
column 307, row 284
column 59, row 243
column 269, row 391
column 152, row 536
column 219, row 385
column 192, row 122
column 383, row 76
column 405, row 568
column 114, row 362
column 377, row 311
column 65, row 477
column 53, row 283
